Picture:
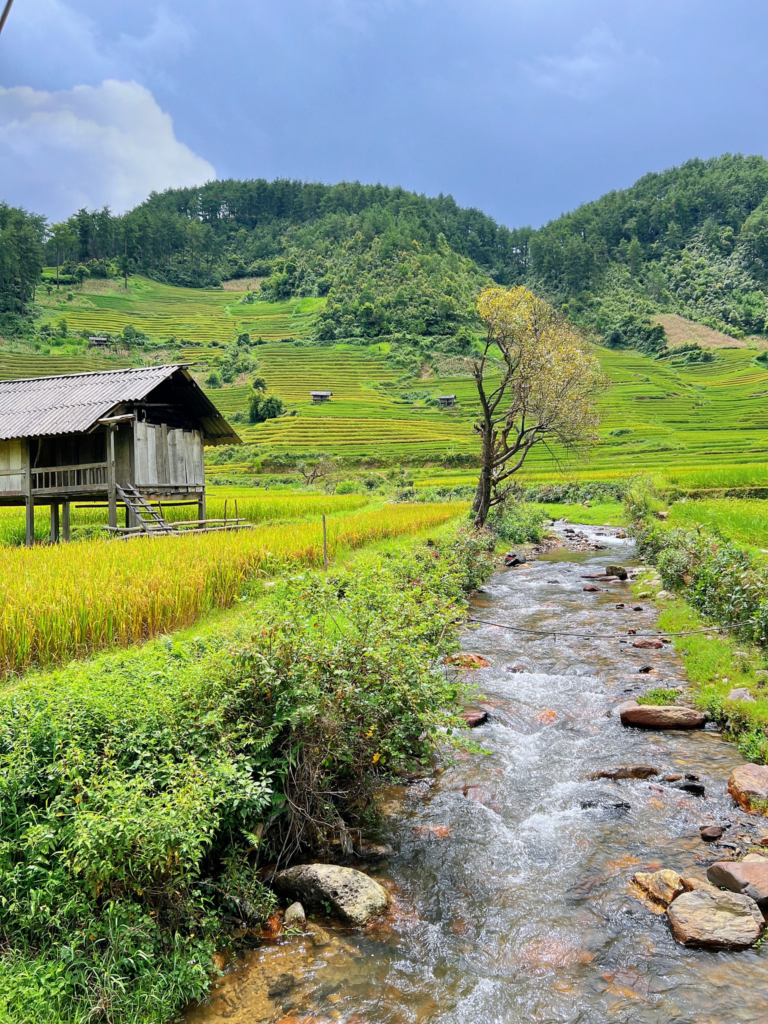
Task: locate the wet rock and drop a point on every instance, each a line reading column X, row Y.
column 629, row 771
column 281, row 986
column 637, row 608
column 619, row 606
column 605, row 805
column 517, row 667
column 295, row 916
column 657, row 889
column 547, row 716
column 515, row 558
column 651, row 716
column 720, row 920
column 692, row 777
column 647, row 643
column 694, row 788
column 478, row 794
column 672, row 778
column 740, row 693
column 748, row 877
column 645, row 669
column 616, row 570
column 352, row 894
column 473, row 717
column 664, row 595
column 466, row 660
column 372, row 851
column 692, row 883
column 590, row 588
column 748, row 785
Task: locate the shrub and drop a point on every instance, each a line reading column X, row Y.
column 517, row 523
column 659, row 697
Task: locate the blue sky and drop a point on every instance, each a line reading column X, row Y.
column 524, row 108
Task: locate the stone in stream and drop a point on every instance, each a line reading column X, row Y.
column 590, row 588
column 645, row 669
column 694, row 788
column 652, row 716
column 629, row 771
column 740, row 693
column 466, row 660
column 517, row 667
column 672, row 778
column 748, row 877
column 353, row 895
column 616, row 570
column 372, row 851
column 513, row 558
column 710, row 833
column 478, row 794
column 657, row 889
column 473, row 717
column 295, row 916
column 720, row 920
column 748, row 785
column 647, row 643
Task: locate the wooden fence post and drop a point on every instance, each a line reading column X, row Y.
column 65, row 521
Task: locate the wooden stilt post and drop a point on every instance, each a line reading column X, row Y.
column 111, row 477
column 325, row 546
column 201, row 507
column 65, row 521
column 55, row 523
column 28, row 499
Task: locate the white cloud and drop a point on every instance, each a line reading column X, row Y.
column 588, row 71
column 109, row 144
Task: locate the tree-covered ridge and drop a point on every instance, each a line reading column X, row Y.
column 693, row 240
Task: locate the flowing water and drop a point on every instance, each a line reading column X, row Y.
column 511, row 903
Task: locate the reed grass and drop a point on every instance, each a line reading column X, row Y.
column 66, row 601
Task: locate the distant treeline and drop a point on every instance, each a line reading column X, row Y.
column 692, row 240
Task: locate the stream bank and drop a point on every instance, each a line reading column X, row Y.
column 510, row 877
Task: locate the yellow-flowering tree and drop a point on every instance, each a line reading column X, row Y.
column 537, row 380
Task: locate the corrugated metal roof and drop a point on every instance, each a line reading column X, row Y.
column 74, row 402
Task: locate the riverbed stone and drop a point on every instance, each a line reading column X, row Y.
column 748, row 785
column 352, row 894
column 719, row 920
column 616, row 570
column 710, row 833
column 657, row 889
column 473, row 717
column 748, row 877
column 652, row 716
column 647, row 643
column 295, row 916
column 590, row 588
column 466, row 659
column 513, row 558
column 626, row 771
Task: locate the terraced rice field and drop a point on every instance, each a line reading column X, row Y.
column 177, row 315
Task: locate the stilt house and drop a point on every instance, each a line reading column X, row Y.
column 129, row 438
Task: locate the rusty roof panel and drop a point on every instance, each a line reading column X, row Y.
column 75, row 402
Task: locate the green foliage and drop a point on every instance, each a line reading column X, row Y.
column 517, row 523
column 140, row 789
column 659, row 697
column 261, row 409
column 21, row 258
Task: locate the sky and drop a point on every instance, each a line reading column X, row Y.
column 522, row 108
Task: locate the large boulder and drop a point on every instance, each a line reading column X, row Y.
column 720, row 920
column 740, row 693
column 748, row 785
column 748, row 877
column 616, row 570
column 353, row 895
column 653, row 716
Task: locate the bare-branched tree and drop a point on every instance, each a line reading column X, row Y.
column 538, row 381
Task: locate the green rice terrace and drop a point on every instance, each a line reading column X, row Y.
column 699, row 425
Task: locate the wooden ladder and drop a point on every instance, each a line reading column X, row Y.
column 148, row 518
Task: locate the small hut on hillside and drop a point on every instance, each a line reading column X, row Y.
column 446, row 401
column 320, row 396
column 127, row 437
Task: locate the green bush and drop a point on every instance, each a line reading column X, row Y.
column 659, row 697
column 517, row 523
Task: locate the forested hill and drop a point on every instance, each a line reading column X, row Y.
column 388, row 260
column 693, row 240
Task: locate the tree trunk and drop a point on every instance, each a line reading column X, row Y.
column 481, row 506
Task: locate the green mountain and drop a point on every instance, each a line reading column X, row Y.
column 692, row 240
column 387, row 263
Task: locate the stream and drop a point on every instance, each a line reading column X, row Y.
column 511, row 903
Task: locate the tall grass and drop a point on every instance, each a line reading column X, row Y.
column 67, row 601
